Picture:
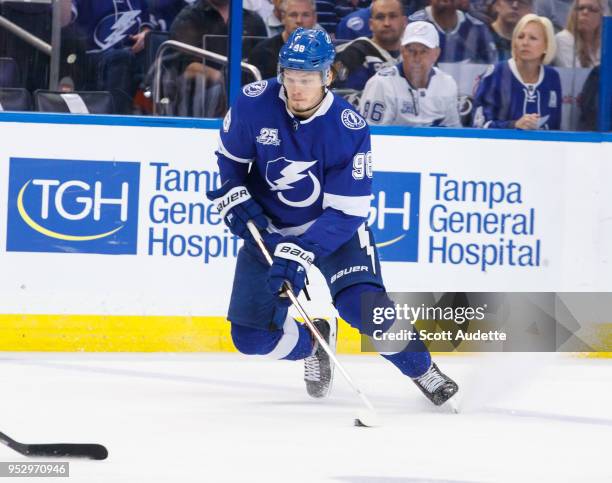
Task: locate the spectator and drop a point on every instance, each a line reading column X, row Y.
column 481, row 9
column 463, row 38
column 210, row 18
column 590, row 102
column 523, row 92
column 579, row 45
column 346, row 7
column 556, row 10
column 354, row 25
column 270, row 12
column 165, row 11
column 359, row 60
column 114, row 35
column 296, row 13
column 413, row 93
column 263, row 8
column 508, row 13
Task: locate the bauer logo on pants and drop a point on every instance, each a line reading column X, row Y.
column 394, row 215
column 58, row 205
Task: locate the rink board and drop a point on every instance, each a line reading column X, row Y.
column 107, row 242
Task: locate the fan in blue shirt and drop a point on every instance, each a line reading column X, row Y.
column 522, row 92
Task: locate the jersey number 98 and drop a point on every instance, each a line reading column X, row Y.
column 362, row 165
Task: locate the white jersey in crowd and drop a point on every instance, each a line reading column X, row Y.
column 389, row 99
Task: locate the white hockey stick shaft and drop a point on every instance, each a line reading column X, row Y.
column 287, row 290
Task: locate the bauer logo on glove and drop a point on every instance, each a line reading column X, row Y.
column 292, row 259
column 294, row 252
column 236, row 195
column 234, row 203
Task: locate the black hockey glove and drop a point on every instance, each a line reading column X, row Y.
column 236, row 207
column 292, row 259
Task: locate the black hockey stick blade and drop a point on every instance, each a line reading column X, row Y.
column 57, row 450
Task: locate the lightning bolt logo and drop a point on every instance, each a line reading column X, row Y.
column 364, row 242
column 119, row 28
column 291, row 174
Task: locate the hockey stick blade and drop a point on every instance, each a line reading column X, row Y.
column 57, row 450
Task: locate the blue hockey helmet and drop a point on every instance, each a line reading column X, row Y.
column 307, row 49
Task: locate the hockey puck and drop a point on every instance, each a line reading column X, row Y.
column 357, row 422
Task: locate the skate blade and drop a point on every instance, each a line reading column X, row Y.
column 452, row 406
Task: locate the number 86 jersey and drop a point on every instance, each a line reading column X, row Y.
column 312, row 176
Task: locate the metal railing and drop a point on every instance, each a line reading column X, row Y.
column 189, row 49
column 53, row 49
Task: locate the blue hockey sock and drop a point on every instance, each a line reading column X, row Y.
column 410, row 362
column 413, row 361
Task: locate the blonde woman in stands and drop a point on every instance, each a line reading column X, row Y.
column 579, row 44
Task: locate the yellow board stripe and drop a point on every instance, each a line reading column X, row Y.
column 152, row 333
column 129, row 333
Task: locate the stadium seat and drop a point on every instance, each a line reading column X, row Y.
column 15, row 99
column 326, row 15
column 34, row 17
column 92, row 102
column 9, row 73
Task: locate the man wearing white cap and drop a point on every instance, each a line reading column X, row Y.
column 414, row 92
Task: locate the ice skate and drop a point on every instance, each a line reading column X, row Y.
column 319, row 368
column 438, row 387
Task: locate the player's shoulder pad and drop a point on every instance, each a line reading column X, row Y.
column 419, row 15
column 474, row 20
column 255, row 89
column 346, row 115
column 351, row 119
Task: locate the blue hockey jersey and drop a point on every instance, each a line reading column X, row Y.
column 502, row 97
column 469, row 41
column 109, row 23
column 355, row 25
column 312, row 177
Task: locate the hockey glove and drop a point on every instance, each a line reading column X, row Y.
column 292, row 259
column 236, row 207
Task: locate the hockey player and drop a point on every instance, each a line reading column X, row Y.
column 523, row 92
column 413, row 93
column 296, row 160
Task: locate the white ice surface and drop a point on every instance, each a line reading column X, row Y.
column 226, row 417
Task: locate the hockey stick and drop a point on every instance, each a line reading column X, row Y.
column 367, row 418
column 56, row 450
